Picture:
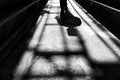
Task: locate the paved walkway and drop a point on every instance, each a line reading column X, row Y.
column 59, row 53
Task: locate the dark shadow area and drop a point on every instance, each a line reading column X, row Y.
column 8, row 66
column 110, row 72
column 70, row 24
column 67, row 22
column 116, row 42
column 72, row 31
column 14, row 41
column 9, row 7
column 112, row 3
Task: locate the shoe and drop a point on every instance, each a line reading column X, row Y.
column 67, row 19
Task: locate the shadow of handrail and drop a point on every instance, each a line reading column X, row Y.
column 18, row 12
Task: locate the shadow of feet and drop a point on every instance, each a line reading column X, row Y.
column 72, row 31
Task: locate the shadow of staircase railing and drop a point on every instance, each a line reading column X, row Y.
column 17, row 28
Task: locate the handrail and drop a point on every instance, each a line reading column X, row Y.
column 18, row 12
column 105, row 5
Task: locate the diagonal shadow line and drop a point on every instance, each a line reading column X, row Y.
column 84, row 51
column 81, row 41
column 54, row 24
column 17, row 13
column 27, row 75
column 93, row 64
column 64, row 39
column 110, row 48
column 44, row 11
column 62, row 32
column 43, row 26
column 68, row 76
column 117, row 43
column 41, row 34
column 38, row 22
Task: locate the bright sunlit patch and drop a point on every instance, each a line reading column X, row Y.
column 79, row 65
column 103, row 56
column 59, row 62
column 73, row 44
column 56, row 4
column 51, row 21
column 42, row 67
column 54, row 10
column 108, row 40
column 98, row 51
column 24, row 65
column 52, row 39
column 37, row 34
column 40, row 25
column 52, row 16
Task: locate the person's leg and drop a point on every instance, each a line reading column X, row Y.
column 63, row 5
column 66, row 18
column 64, row 9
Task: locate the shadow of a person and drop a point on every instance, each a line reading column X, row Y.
column 66, row 18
